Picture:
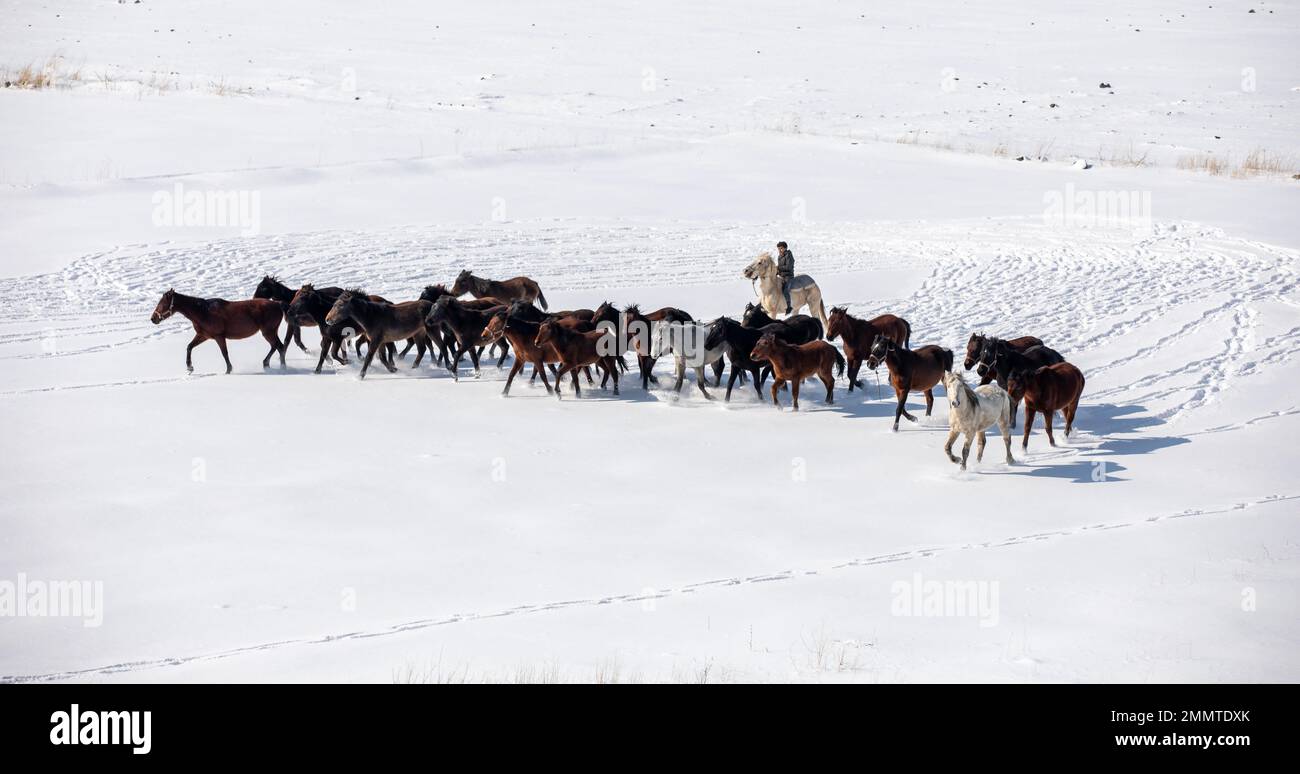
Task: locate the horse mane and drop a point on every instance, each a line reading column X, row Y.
column 839, row 310
column 633, row 309
column 764, row 254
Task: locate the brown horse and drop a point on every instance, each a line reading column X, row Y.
column 517, row 288
column 272, row 288
column 910, row 370
column 1047, row 389
column 577, row 349
column 522, row 335
column 383, row 324
column 859, row 335
column 466, row 325
column 639, row 327
column 795, row 362
column 218, row 319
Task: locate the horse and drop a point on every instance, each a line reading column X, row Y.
column 805, row 328
column 739, row 342
column 858, row 336
column 910, row 370
column 517, row 288
column 577, row 349
column 220, row 320
column 972, row 412
column 313, row 304
column 383, row 324
column 272, row 288
column 975, row 348
column 803, row 290
column 466, row 324
column 685, row 342
column 1047, row 389
column 521, row 332
column 634, row 322
column 1006, row 359
column 795, row 362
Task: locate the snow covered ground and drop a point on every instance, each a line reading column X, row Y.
column 292, row 526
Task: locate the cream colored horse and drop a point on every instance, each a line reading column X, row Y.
column 803, row 291
column 972, row 412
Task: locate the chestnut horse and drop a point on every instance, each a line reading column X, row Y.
column 859, row 335
column 577, row 349
column 1047, row 389
column 517, row 288
column 218, row 319
column 910, row 370
column 795, row 362
column 383, row 324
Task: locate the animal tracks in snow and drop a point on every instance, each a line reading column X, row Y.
column 646, row 594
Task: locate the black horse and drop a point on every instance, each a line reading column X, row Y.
column 272, row 288
column 466, row 325
column 740, row 341
column 807, row 328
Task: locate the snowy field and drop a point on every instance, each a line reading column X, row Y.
column 280, row 525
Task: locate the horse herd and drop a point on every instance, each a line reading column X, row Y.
column 514, row 314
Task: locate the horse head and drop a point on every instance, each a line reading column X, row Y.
column 462, row 284
column 342, row 308
column 761, row 267
column 166, row 307
column 880, row 347
column 837, row 323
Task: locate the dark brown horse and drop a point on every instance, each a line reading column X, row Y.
column 517, row 288
column 975, row 350
column 577, row 349
column 1006, row 360
column 639, row 327
column 220, row 320
column 383, row 324
column 272, row 288
column 466, row 324
column 795, row 362
column 1047, row 389
column 859, row 335
column 910, row 370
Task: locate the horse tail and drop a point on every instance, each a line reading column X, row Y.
column 839, row 362
column 907, row 342
column 947, row 359
column 541, row 299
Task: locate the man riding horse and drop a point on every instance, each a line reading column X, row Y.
column 785, row 270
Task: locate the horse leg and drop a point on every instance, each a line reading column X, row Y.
column 1029, row 424
column 700, row 380
column 855, row 364
column 794, row 391
column 1047, row 422
column 272, row 335
column 828, row 379
column 540, row 368
column 505, row 350
column 735, row 372
column 577, row 391
column 516, row 368
column 324, row 350
column 221, row 342
column 421, row 347
column 198, row 339
column 370, row 355
column 776, row 390
column 409, row 343
column 681, row 372
column 473, row 356
column 947, row 447
column 900, row 410
column 717, row 372
column 1004, row 427
column 586, row 370
column 1069, row 412
column 297, row 338
column 965, row 450
column 929, row 401
column 612, row 367
column 979, row 453
column 1015, row 405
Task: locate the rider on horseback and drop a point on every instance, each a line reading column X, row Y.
column 785, row 270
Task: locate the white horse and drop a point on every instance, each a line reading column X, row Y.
column 685, row 342
column 971, row 411
column 803, row 290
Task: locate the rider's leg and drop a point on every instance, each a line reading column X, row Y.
column 785, row 291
